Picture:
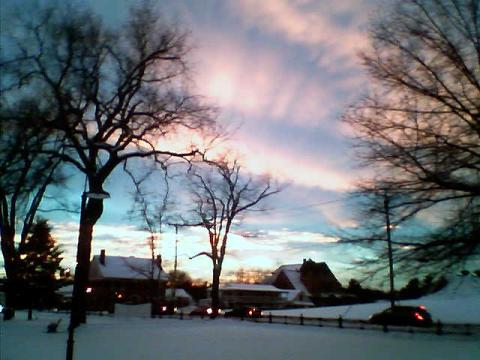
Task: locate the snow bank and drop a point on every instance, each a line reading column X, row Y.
column 458, row 302
column 461, row 286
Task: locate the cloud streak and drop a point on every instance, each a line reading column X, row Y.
column 331, row 30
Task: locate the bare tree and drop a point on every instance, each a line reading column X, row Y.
column 115, row 95
column 221, row 193
column 25, row 174
column 153, row 215
column 419, row 129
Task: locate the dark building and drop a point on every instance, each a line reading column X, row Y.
column 121, row 279
column 318, row 278
column 310, row 280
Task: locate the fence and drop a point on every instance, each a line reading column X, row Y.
column 438, row 328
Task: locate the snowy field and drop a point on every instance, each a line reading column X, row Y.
column 458, row 302
column 132, row 338
column 106, row 338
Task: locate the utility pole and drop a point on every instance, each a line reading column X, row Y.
column 175, row 263
column 386, row 204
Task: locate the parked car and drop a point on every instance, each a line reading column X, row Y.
column 244, row 311
column 403, row 315
column 205, row 311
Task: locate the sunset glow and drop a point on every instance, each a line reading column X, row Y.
column 281, row 73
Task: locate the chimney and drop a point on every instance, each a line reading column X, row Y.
column 102, row 256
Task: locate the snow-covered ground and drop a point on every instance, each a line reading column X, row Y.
column 136, row 338
column 128, row 338
column 458, row 302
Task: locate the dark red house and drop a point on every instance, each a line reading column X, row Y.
column 122, row 279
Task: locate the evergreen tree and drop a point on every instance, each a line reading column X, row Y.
column 39, row 263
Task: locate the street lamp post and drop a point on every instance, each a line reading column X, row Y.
column 78, row 290
column 386, row 204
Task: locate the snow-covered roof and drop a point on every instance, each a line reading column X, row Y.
column 252, row 287
column 292, row 294
column 179, row 293
column 292, row 272
column 293, row 297
column 66, row 290
column 124, row 267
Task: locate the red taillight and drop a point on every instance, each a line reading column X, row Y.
column 419, row 317
column 421, row 307
column 250, row 312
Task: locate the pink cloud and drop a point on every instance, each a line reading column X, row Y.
column 288, row 165
column 258, row 82
column 310, row 23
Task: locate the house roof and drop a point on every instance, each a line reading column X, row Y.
column 293, row 297
column 66, row 290
column 289, row 267
column 292, row 272
column 252, row 287
column 124, row 267
column 179, row 293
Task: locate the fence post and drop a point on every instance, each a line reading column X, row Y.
column 385, row 328
column 467, row 329
column 439, row 328
column 340, row 321
column 285, row 320
column 301, row 319
column 181, row 315
column 270, row 318
column 320, row 322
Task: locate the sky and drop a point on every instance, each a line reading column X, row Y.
column 282, row 73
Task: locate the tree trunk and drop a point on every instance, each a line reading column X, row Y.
column 215, row 289
column 153, row 297
column 89, row 216
column 9, row 256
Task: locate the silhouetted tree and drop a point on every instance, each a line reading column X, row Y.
column 251, row 276
column 220, row 194
column 152, row 213
column 114, row 94
column 38, row 268
column 419, row 129
column 25, row 174
column 354, row 286
column 412, row 290
column 179, row 279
